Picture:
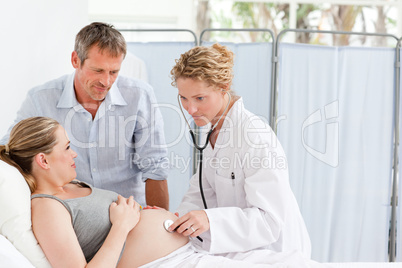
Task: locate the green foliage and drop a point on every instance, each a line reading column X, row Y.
column 275, row 16
column 391, row 21
column 304, row 10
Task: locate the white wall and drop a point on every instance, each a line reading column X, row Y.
column 37, row 38
column 137, row 14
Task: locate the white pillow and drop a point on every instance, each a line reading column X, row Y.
column 10, row 257
column 15, row 215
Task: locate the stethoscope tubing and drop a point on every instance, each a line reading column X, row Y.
column 201, row 148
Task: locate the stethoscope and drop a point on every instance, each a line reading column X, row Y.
column 201, row 148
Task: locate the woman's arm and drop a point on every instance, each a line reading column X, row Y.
column 124, row 215
column 51, row 224
column 54, row 231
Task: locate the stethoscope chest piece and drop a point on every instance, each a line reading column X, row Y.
column 166, row 225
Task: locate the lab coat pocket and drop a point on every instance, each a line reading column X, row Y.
column 225, row 187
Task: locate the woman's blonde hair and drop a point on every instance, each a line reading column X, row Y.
column 213, row 65
column 28, row 138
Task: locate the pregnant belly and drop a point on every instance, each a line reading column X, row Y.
column 149, row 240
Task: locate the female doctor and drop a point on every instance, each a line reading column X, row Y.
column 244, row 174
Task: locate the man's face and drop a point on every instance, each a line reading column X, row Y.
column 95, row 77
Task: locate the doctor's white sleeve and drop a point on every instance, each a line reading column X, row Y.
column 271, row 219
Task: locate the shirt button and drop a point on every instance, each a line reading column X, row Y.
column 89, row 119
column 94, row 169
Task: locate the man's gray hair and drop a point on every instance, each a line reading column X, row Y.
column 104, row 36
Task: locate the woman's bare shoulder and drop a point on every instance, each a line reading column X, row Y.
column 47, row 208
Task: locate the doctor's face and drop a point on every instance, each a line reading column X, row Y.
column 205, row 103
column 94, row 78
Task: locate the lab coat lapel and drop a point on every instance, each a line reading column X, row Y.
column 226, row 135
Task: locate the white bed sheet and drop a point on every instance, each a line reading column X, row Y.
column 365, row 265
column 10, row 257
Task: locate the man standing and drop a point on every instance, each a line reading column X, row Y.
column 113, row 122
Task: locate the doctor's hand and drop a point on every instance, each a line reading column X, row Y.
column 191, row 224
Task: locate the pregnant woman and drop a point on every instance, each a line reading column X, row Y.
column 78, row 225
column 75, row 224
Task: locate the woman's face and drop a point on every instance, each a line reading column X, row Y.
column 203, row 102
column 61, row 159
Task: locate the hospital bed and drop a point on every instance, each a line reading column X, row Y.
column 10, row 257
column 306, row 112
column 365, row 265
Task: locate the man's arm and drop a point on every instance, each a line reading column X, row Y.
column 156, row 192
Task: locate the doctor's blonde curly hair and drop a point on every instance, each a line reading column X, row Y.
column 213, row 65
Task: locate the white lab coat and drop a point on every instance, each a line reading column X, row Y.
column 246, row 186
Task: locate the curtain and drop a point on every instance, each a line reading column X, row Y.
column 399, row 207
column 159, row 59
column 335, row 122
column 252, row 75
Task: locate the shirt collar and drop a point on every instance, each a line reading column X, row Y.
column 69, row 100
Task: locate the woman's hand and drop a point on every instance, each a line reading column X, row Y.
column 125, row 212
column 191, row 224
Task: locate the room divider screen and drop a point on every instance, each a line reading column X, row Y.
column 253, row 69
column 335, row 118
column 159, row 59
column 336, row 113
